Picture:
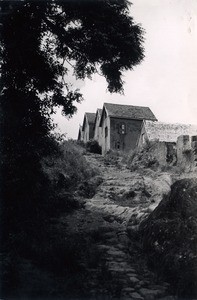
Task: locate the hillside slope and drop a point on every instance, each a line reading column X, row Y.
column 96, row 249
column 123, row 196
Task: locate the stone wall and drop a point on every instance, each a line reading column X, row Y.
column 159, row 151
column 194, row 148
column 105, row 135
column 187, row 152
column 97, row 130
column 164, row 153
column 86, row 132
column 91, row 131
column 182, row 154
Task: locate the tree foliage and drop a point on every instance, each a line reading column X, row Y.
column 40, row 42
column 91, row 35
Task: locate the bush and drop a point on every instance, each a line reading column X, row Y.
column 112, row 158
column 69, row 168
column 93, row 147
column 143, row 157
column 43, row 238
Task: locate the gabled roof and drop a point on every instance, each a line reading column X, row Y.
column 98, row 113
column 90, row 117
column 168, row 132
column 129, row 112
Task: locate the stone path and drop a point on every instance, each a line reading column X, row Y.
column 124, row 273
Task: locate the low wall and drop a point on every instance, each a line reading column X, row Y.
column 187, row 152
column 183, row 153
column 159, row 151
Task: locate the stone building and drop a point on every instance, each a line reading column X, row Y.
column 121, row 126
column 97, row 129
column 126, row 127
column 164, row 132
column 88, row 126
column 176, row 144
column 80, row 134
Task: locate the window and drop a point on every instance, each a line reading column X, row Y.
column 106, row 131
column 122, row 128
column 117, row 145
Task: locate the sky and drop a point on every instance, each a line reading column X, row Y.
column 165, row 81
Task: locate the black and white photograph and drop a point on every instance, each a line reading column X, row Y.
column 98, row 150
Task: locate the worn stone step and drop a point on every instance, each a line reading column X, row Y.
column 149, row 294
column 134, row 280
column 136, row 296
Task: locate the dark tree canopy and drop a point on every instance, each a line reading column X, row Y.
column 39, row 41
column 38, row 37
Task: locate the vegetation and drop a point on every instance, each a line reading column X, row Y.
column 41, row 42
column 93, row 147
column 169, row 238
column 112, row 158
column 143, row 158
column 47, row 246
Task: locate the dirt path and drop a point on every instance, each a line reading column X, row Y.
column 123, row 195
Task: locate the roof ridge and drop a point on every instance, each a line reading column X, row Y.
column 125, row 105
column 167, row 123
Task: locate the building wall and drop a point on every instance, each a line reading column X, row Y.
column 86, row 132
column 124, row 134
column 185, row 155
column 81, row 135
column 91, row 131
column 97, row 131
column 166, row 132
column 105, row 135
column 142, row 139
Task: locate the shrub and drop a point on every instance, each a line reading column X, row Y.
column 93, row 147
column 143, row 157
column 80, row 143
column 112, row 158
column 68, row 168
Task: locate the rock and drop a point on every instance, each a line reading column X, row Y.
column 103, row 247
column 170, row 234
column 117, row 253
column 120, row 247
column 133, row 280
column 142, row 283
column 150, row 294
column 128, row 290
column 108, row 235
column 131, row 271
column 116, row 269
column 169, row 298
column 109, row 219
column 136, row 296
